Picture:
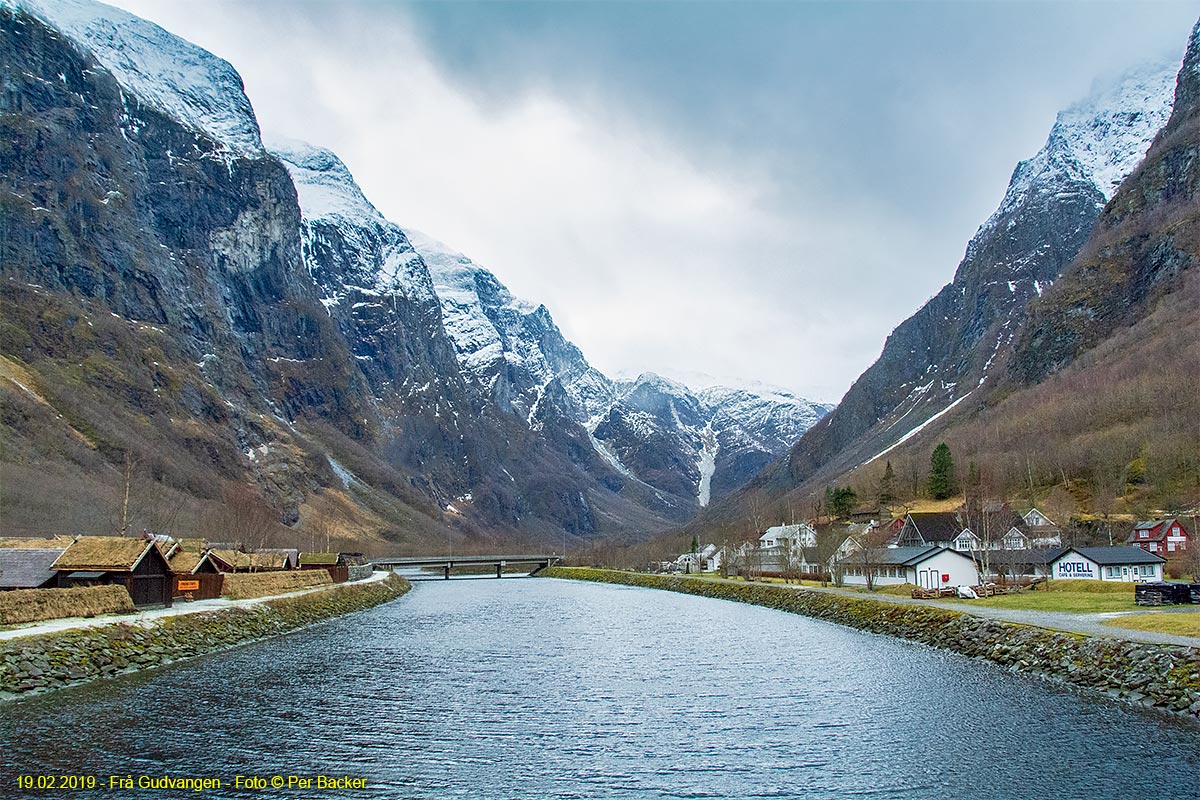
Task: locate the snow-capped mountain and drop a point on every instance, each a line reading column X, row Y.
column 158, row 69
column 512, row 347
column 651, row 430
column 951, row 350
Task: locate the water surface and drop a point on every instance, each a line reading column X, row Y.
column 547, row 688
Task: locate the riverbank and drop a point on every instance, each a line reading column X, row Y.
column 1155, row 675
column 33, row 662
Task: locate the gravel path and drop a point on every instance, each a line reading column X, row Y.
column 1088, row 624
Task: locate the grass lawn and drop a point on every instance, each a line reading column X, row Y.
column 1077, row 597
column 1185, row 623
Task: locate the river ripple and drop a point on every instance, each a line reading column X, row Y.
column 546, row 688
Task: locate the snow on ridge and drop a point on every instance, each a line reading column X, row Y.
column 1098, row 140
column 382, row 261
column 324, row 185
column 174, row 76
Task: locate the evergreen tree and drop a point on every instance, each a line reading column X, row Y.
column 887, row 486
column 841, row 500
column 942, row 483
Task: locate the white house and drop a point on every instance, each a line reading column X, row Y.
column 1131, row 564
column 1036, row 519
column 801, row 535
column 927, row 566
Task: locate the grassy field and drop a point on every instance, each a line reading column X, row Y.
column 1186, row 623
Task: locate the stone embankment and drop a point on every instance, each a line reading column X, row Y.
column 38, row 663
column 1160, row 676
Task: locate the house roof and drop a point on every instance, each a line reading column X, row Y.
column 1108, row 556
column 1163, row 525
column 104, row 554
column 1031, row 555
column 185, row 560
column 37, row 542
column 235, row 559
column 323, row 559
column 936, row 526
column 908, row 556
column 26, row 567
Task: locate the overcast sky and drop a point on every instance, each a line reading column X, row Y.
column 755, row 190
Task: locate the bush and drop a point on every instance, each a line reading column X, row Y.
column 246, row 585
column 35, row 605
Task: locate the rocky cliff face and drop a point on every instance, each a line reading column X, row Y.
column 1144, row 244
column 167, row 296
column 945, row 355
column 676, row 447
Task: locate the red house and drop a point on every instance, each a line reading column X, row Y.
column 1162, row 536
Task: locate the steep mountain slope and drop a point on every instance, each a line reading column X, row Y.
column 946, row 356
column 167, row 305
column 1093, row 379
column 682, row 446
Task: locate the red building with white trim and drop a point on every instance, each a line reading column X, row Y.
column 1164, row 537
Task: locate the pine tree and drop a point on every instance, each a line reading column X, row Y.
column 942, row 483
column 887, row 487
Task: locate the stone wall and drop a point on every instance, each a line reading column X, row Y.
column 1161, row 676
column 39, row 663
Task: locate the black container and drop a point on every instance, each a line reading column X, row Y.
column 1163, row 594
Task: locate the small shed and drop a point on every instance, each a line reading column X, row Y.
column 196, row 577
column 137, row 564
column 326, row 561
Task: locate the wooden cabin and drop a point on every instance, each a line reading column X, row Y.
column 135, row 563
column 330, row 562
column 196, row 577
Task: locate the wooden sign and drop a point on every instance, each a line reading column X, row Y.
column 187, row 586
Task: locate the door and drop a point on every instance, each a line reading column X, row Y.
column 148, row 590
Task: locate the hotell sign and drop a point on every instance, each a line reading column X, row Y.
column 1075, row 569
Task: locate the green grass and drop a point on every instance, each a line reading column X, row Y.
column 1180, row 623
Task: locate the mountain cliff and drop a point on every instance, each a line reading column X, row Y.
column 950, row 357
column 189, row 310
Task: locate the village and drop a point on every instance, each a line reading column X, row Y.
column 44, row 578
column 960, row 553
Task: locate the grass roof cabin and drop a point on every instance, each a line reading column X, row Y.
column 135, row 563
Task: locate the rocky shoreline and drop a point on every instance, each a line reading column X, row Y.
column 49, row 661
column 1165, row 677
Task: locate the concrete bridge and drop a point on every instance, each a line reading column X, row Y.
column 537, row 563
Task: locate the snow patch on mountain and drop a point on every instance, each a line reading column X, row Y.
column 503, row 338
column 706, row 463
column 1099, row 140
column 383, row 261
column 179, row 79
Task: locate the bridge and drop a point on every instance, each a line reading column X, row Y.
column 446, row 563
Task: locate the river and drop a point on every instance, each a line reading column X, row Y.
column 547, row 688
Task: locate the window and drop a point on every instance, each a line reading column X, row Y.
column 1143, row 534
column 1171, row 547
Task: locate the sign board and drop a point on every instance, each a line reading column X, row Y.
column 945, row 577
column 188, row 586
column 1074, row 569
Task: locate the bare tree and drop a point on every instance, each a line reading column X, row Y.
column 244, row 516
column 128, row 473
column 827, row 547
column 872, row 549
